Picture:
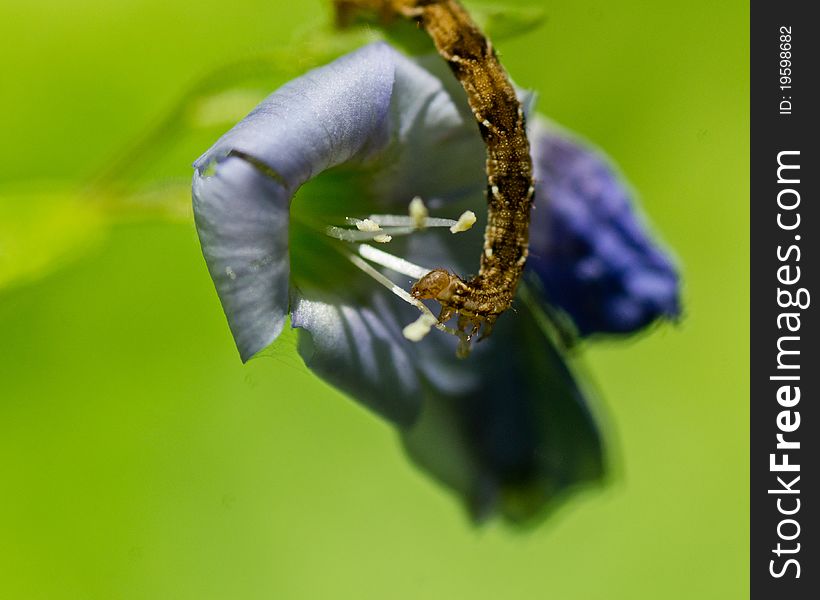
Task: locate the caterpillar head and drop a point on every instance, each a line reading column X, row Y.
column 435, row 285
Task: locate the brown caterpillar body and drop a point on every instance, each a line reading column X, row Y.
column 510, row 188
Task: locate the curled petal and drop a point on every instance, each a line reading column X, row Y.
column 242, row 221
column 244, row 184
column 589, row 247
column 323, row 118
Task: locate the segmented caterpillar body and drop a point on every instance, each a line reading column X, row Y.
column 510, row 188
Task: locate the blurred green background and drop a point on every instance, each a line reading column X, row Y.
column 140, row 460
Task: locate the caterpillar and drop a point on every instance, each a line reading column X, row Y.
column 510, row 186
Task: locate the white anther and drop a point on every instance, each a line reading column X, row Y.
column 418, row 212
column 367, row 225
column 465, row 221
column 353, row 235
column 419, row 328
column 382, row 239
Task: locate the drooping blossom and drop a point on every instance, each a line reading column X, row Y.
column 326, row 202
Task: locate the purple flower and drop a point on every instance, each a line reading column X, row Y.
column 295, row 207
column 591, row 251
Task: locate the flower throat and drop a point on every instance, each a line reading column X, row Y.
column 510, row 190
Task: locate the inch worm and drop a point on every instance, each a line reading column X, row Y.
column 510, row 187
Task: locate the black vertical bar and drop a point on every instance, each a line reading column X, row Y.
column 785, row 195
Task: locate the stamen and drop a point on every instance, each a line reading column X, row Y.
column 465, row 222
column 394, row 263
column 404, row 221
column 402, row 293
column 353, row 235
column 418, row 212
column 419, row 328
column 383, row 228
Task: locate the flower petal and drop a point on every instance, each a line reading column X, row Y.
column 437, row 152
column 518, row 438
column 243, row 185
column 242, row 221
column 589, row 246
column 319, row 120
column 359, row 348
